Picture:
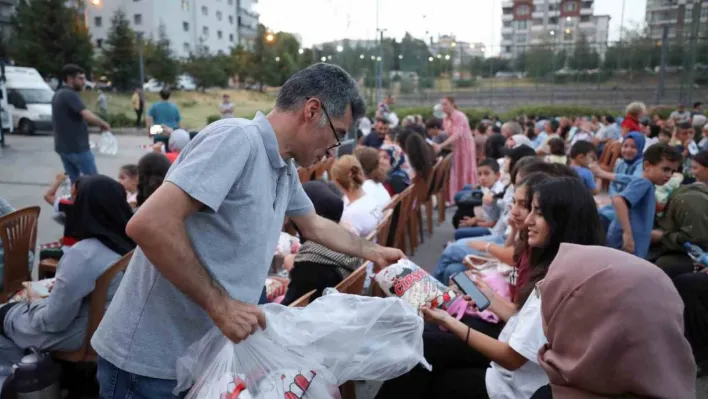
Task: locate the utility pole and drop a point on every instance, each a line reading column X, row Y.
column 662, row 64
column 379, row 68
column 695, row 27
column 141, row 60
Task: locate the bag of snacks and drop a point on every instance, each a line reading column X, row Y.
column 414, row 285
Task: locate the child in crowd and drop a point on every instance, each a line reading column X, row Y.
column 703, row 143
column 557, row 147
column 582, row 154
column 128, row 178
column 684, row 143
column 62, row 205
column 433, row 128
column 635, row 205
column 651, row 134
column 490, row 187
column 664, row 136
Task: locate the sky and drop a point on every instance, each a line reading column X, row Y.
column 476, row 21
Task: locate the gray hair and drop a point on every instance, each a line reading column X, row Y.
column 329, row 83
column 515, row 127
column 179, row 138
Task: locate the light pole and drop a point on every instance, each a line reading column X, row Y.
column 140, row 59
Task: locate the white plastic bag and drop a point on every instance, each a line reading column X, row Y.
column 308, row 352
column 108, row 144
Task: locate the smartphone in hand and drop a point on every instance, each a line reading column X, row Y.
column 468, row 287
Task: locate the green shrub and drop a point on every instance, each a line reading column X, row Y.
column 570, row 111
column 120, row 120
column 188, row 103
column 462, row 83
column 662, row 110
column 212, row 118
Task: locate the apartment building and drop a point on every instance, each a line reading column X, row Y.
column 217, row 25
column 676, row 15
column 7, row 10
column 556, row 23
column 459, row 51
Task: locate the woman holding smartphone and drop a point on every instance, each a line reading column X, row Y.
column 560, row 210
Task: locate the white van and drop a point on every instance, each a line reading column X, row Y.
column 30, row 100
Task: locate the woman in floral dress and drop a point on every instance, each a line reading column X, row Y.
column 461, row 142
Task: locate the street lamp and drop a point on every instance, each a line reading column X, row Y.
column 472, row 45
column 96, row 2
column 447, row 57
column 373, row 58
column 552, row 32
column 567, row 30
column 329, row 57
column 301, row 51
column 277, row 59
column 430, row 59
column 400, row 57
column 323, row 59
column 340, row 48
column 439, row 56
column 269, row 37
column 454, row 44
column 361, row 56
column 378, row 58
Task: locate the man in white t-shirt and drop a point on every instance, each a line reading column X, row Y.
column 681, row 115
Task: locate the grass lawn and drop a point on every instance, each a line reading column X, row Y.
column 195, row 107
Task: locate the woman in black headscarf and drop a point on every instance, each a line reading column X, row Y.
column 152, row 169
column 317, row 267
column 59, row 321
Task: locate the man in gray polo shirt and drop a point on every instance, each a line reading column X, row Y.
column 206, row 237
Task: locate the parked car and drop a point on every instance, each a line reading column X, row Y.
column 29, row 99
column 153, row 86
column 186, row 82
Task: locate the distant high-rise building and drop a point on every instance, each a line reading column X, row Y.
column 555, row 23
column 7, row 10
column 459, row 51
column 674, row 14
column 215, row 25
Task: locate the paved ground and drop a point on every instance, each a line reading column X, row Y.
column 28, row 167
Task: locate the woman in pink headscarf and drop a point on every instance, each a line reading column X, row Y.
column 614, row 324
column 464, row 160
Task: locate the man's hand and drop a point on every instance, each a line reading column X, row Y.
column 384, row 256
column 32, row 295
column 237, row 320
column 628, row 243
column 105, row 127
column 59, row 178
column 488, row 199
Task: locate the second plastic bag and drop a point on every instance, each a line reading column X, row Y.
column 307, row 352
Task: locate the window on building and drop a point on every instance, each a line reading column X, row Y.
column 587, row 4
column 219, row 34
column 506, row 38
column 507, row 24
column 231, row 19
column 231, row 37
column 521, row 39
column 137, row 19
column 553, row 21
column 553, row 7
column 205, row 31
column 205, row 10
column 99, row 43
column 185, row 26
column 537, row 22
column 584, row 18
column 218, row 15
column 98, row 21
column 508, row 49
column 523, row 10
column 185, row 46
column 239, row 20
column 570, row 6
column 522, row 25
column 185, row 5
column 508, row 11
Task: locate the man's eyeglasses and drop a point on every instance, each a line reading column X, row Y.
column 331, row 125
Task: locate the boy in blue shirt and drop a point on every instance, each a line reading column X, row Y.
column 635, row 206
column 582, row 154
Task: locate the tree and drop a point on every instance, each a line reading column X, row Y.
column 119, row 60
column 206, row 69
column 160, row 62
column 47, row 34
column 242, row 60
column 584, row 57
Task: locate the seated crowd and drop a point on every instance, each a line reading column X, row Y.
column 601, row 297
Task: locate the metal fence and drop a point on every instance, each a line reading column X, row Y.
column 607, row 75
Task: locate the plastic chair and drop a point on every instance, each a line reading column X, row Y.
column 18, row 232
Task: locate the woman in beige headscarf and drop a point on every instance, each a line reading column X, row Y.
column 614, row 324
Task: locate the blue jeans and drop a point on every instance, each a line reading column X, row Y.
column 471, row 232
column 118, row 384
column 79, row 163
column 466, row 191
column 450, row 262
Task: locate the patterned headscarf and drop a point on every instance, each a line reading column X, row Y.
column 399, row 166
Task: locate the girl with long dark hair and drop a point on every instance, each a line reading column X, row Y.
column 561, row 210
